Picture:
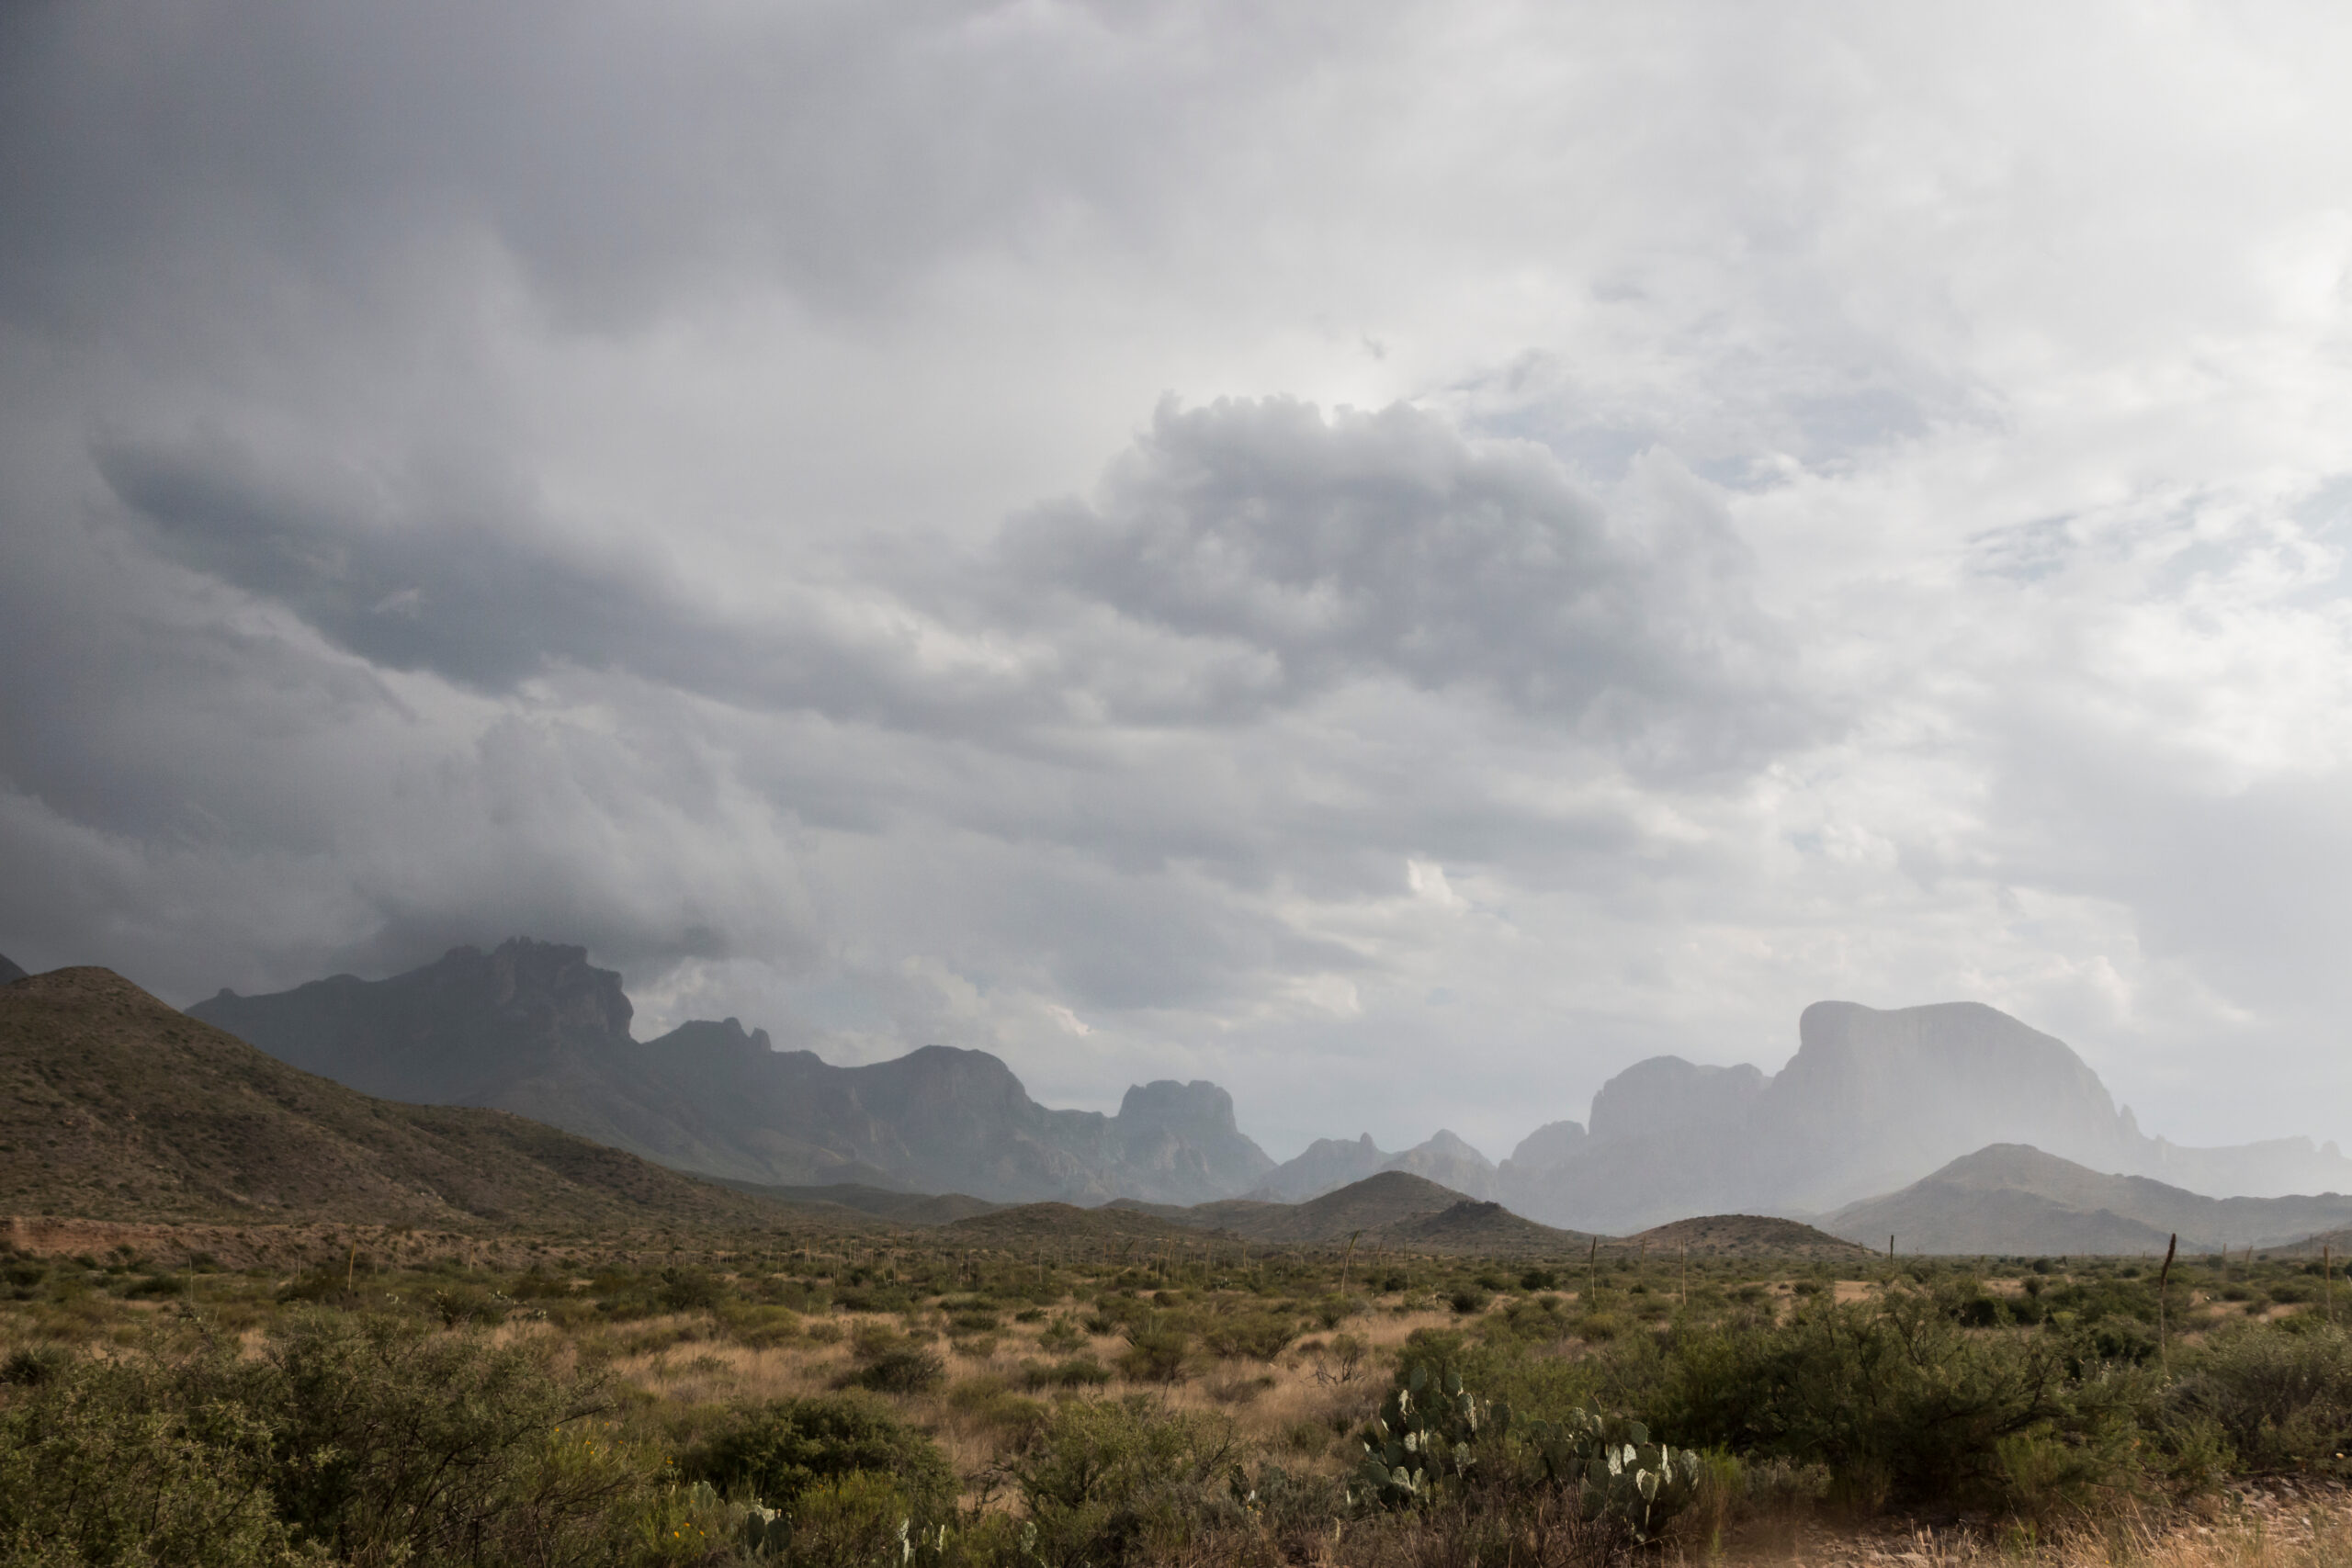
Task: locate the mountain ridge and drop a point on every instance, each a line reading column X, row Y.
column 2013, row 1197
column 534, row 1028
column 118, row 1107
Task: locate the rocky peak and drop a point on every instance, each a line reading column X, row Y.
column 1189, row 1108
column 1666, row 1094
column 1547, row 1146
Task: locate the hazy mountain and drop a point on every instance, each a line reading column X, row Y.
column 534, row 1029
column 1329, row 1164
column 1872, row 1100
column 1550, row 1144
column 9, row 972
column 2013, row 1199
column 1448, row 1161
column 115, row 1105
column 1389, row 1207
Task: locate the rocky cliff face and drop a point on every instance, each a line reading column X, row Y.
column 1872, row 1100
column 534, row 1029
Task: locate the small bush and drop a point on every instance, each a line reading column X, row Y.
column 779, row 1451
column 901, row 1369
column 2282, row 1401
column 1078, row 1372
column 1156, row 1354
column 1253, row 1337
column 1105, row 1482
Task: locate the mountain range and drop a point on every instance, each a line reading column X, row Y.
column 534, row 1029
column 1872, row 1102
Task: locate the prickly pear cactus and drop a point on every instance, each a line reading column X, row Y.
column 1622, row 1474
column 1427, row 1431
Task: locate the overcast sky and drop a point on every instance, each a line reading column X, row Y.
column 1398, row 558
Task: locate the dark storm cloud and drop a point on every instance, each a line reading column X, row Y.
column 1333, row 549
column 477, row 589
column 615, row 153
column 1242, row 560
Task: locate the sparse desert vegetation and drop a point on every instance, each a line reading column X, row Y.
column 827, row 1400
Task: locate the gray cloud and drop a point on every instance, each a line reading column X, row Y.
column 1649, row 520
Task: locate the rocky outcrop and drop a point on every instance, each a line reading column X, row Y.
column 1871, row 1101
column 534, row 1029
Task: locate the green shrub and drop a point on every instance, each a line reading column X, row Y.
column 29, row 1365
column 901, row 1369
column 399, row 1446
column 858, row 1520
column 1156, row 1353
column 1107, row 1480
column 778, row 1451
column 1078, row 1372
column 689, row 1290
column 126, row 1461
column 1062, row 1336
column 2283, row 1401
column 1896, row 1398
column 1254, row 1337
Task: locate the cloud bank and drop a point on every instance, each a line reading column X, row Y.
column 1395, row 557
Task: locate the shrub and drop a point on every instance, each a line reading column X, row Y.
column 689, row 1290
column 1468, row 1300
column 2282, row 1401
column 434, row 1448
column 1898, row 1398
column 1155, row 1353
column 1078, row 1372
column 852, row 1521
column 1107, row 1480
column 901, row 1369
column 29, row 1365
column 778, row 1451
column 365, row 1443
column 1062, row 1335
column 1254, row 1337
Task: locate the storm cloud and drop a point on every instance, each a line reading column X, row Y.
column 1395, row 557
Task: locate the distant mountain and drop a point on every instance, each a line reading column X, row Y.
column 1448, row 1161
column 2011, row 1198
column 1325, row 1165
column 534, row 1029
column 1329, row 1164
column 1745, row 1236
column 114, row 1106
column 1389, row 1207
column 9, row 973
column 1872, row 1100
